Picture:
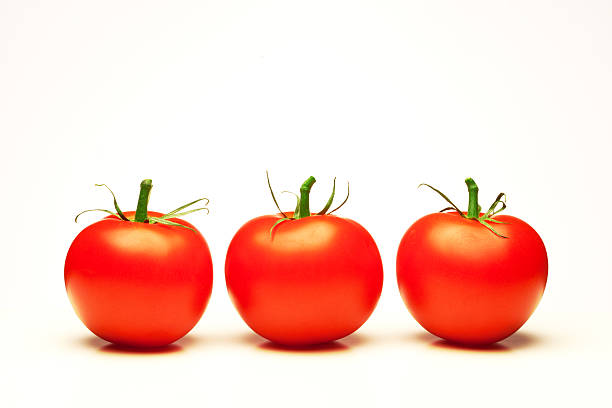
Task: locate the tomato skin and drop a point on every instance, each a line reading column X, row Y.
column 317, row 279
column 467, row 285
column 138, row 284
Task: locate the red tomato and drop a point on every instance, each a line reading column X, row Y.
column 310, row 280
column 139, row 284
column 464, row 283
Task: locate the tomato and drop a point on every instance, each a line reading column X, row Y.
column 468, row 281
column 304, row 281
column 140, row 284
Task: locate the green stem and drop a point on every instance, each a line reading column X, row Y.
column 143, row 200
column 473, row 207
column 304, row 207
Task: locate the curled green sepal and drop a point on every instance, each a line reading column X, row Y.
column 96, row 209
column 501, row 199
column 164, row 219
column 277, row 223
column 160, row 220
column 175, row 215
column 182, row 207
column 273, row 197
column 348, row 192
column 330, row 201
column 475, row 208
column 297, row 197
column 453, row 206
column 123, row 217
column 488, row 216
column 483, row 222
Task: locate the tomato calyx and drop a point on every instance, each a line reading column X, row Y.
column 302, row 208
column 142, row 215
column 473, row 212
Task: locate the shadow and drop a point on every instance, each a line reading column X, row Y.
column 120, row 349
column 189, row 340
column 252, row 339
column 514, row 342
column 521, row 340
column 355, row 340
column 344, row 344
column 445, row 344
column 332, row 346
column 105, row 347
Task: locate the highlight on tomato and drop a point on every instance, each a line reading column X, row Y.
column 471, row 277
column 140, row 278
column 299, row 278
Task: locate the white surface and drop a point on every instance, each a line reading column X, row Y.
column 202, row 97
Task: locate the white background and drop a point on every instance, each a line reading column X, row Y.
column 203, row 97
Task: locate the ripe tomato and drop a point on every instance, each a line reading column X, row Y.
column 467, row 283
column 307, row 280
column 139, row 284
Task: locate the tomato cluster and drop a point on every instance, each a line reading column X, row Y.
column 143, row 278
